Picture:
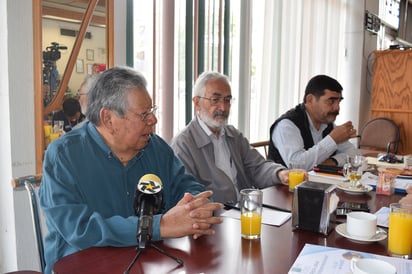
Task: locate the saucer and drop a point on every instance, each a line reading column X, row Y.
column 354, row 190
column 379, row 236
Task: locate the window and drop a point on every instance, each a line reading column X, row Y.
column 270, row 49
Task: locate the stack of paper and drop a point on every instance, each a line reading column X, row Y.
column 325, row 260
column 374, row 161
column 320, row 177
column 269, row 216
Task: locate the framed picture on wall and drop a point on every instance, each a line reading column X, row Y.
column 90, row 54
column 79, row 66
column 89, row 68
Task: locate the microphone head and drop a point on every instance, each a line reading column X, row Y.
column 148, row 188
column 150, row 184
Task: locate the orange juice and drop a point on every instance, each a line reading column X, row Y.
column 251, row 223
column 47, row 130
column 295, row 178
column 400, row 233
column 54, row 136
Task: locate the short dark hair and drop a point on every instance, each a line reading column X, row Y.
column 71, row 106
column 319, row 83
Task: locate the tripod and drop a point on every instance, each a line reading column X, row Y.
column 139, row 251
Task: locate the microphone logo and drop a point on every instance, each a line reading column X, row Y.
column 149, row 184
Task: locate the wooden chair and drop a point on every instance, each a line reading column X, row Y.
column 260, row 145
column 379, row 135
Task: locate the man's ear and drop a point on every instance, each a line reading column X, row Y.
column 106, row 116
column 309, row 98
column 196, row 103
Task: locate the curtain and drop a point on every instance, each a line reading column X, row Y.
column 300, row 39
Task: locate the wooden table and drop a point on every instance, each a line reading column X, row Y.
column 226, row 252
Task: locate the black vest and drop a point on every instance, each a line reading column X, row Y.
column 300, row 119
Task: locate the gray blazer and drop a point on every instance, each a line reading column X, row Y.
column 195, row 149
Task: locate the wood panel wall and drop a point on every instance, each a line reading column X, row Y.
column 392, row 92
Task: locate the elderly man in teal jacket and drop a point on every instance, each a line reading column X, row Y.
column 90, row 175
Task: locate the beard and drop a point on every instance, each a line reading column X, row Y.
column 210, row 120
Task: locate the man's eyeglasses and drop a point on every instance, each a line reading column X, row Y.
column 80, row 95
column 143, row 116
column 215, row 100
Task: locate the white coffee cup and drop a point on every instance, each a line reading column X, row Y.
column 361, row 224
column 371, row 266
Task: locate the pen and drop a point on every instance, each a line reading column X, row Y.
column 276, row 208
column 236, row 206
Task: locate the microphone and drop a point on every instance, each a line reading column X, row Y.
column 147, row 201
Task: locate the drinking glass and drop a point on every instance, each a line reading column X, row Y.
column 353, row 169
column 251, row 213
column 400, row 230
column 296, row 175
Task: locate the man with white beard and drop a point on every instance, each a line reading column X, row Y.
column 218, row 154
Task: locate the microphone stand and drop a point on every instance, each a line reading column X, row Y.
column 144, row 237
column 150, row 244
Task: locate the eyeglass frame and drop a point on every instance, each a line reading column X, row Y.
column 215, row 100
column 143, row 116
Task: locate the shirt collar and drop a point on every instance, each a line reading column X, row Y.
column 91, row 128
column 312, row 127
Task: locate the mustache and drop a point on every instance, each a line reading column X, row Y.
column 336, row 113
column 221, row 113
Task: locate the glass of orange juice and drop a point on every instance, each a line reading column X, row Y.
column 251, row 213
column 400, row 230
column 296, row 175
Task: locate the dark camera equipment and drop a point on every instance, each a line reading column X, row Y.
column 50, row 56
column 52, row 52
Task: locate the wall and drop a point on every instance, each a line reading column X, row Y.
column 356, row 83
column 17, row 129
column 7, row 237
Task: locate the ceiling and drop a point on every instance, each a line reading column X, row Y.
column 73, row 10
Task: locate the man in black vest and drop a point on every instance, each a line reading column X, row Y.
column 307, row 134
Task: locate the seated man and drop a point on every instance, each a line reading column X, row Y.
column 307, row 134
column 84, row 89
column 91, row 173
column 71, row 114
column 82, row 94
column 217, row 154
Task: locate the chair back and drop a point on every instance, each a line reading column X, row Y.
column 380, row 134
column 262, row 145
column 37, row 220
